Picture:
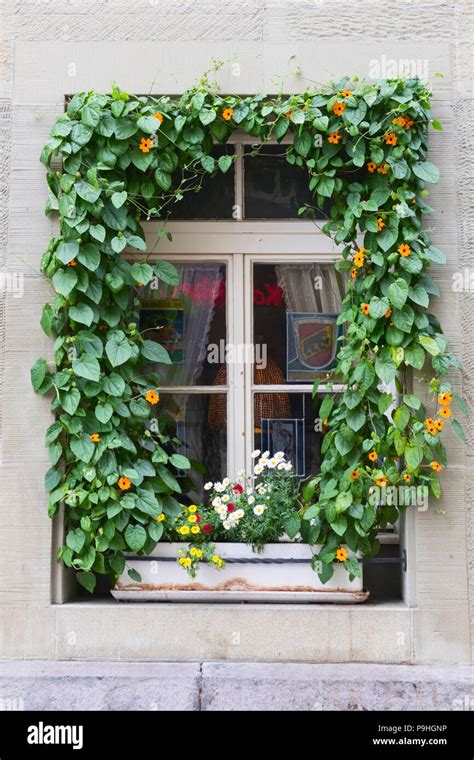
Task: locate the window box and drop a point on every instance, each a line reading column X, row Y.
column 280, row 573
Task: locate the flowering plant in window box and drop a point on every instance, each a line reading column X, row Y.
column 251, row 531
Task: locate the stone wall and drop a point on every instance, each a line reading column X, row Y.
column 50, row 48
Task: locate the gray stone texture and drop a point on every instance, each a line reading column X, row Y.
column 227, row 687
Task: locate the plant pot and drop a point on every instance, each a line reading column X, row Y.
column 282, row 572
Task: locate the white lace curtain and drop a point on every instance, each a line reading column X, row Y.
column 311, row 287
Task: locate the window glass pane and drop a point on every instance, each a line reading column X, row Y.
column 295, row 307
column 205, row 196
column 189, row 319
column 199, row 421
column 289, row 422
column 273, row 188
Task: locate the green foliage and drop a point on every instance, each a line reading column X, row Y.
column 104, row 368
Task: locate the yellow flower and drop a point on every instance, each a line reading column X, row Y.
column 184, row 530
column 196, row 552
column 404, row 250
column 216, row 559
column 160, row 518
column 192, row 508
column 95, row 437
column 342, row 554
column 445, row 412
column 445, row 398
column 373, row 456
column 382, row 481
column 436, row 466
column 195, row 529
column 152, row 397
column 158, row 116
column 227, row 114
column 192, row 518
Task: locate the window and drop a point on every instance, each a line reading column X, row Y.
column 259, row 283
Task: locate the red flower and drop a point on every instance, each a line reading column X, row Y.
column 230, row 507
column 198, row 518
column 238, row 488
column 207, row 528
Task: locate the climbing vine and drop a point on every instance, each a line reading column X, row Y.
column 125, row 159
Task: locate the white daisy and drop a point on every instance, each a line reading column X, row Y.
column 225, row 497
column 251, row 499
column 289, row 467
column 272, row 463
column 255, row 453
column 258, row 469
column 279, row 455
column 227, row 524
column 259, row 509
column 217, row 501
column 219, row 487
column 208, row 486
column 240, row 513
column 281, row 466
column 226, row 482
column 265, row 455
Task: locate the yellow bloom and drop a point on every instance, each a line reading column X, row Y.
column 192, row 508
column 184, row 530
column 216, row 559
column 160, row 518
column 192, row 518
column 195, row 529
column 342, row 554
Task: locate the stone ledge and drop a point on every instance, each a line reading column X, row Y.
column 213, row 686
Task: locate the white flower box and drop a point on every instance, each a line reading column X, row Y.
column 284, row 575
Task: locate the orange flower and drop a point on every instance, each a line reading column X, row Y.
column 408, row 123
column 72, row 263
column 124, row 484
column 371, row 167
column 338, row 108
column 380, row 224
column 346, row 94
column 354, row 474
column 383, row 168
column 359, row 258
column 439, row 425
column 158, row 116
column 342, row 554
column 145, row 144
column 391, row 138
column 445, row 398
column 373, row 456
column 399, row 120
column 407, row 478
column 445, row 412
column 334, row 138
column 152, row 397
column 227, row 114
column 382, row 481
column 429, row 421
column 436, row 466
column 353, row 273
column 365, row 308
column 404, row 250
column 95, row 437
column 388, row 313
column 288, row 114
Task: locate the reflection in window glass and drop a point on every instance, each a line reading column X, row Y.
column 295, row 307
column 189, row 319
column 274, row 189
column 206, row 196
column 200, row 426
